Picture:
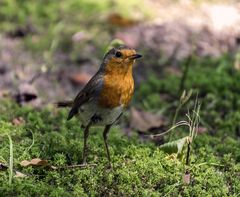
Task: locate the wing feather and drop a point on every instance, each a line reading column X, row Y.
column 90, row 91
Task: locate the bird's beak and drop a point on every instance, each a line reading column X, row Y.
column 135, row 56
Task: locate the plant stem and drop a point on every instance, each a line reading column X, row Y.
column 10, row 159
column 188, row 154
column 174, row 119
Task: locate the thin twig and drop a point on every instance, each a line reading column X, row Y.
column 73, row 166
column 181, row 123
column 10, row 159
column 81, row 165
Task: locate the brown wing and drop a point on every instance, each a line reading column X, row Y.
column 91, row 90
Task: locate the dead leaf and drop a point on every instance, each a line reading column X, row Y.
column 80, row 78
column 34, row 162
column 18, row 121
column 121, row 21
column 25, row 163
column 187, row 178
column 20, row 175
column 37, row 162
column 144, row 121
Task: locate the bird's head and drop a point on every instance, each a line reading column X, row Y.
column 119, row 59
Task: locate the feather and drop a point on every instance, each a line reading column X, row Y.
column 90, row 91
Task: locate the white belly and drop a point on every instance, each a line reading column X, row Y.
column 106, row 116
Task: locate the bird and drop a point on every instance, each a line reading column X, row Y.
column 102, row 101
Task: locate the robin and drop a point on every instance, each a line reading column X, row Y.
column 102, row 101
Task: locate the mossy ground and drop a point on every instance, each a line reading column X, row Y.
column 139, row 168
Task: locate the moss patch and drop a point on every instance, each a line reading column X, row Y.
column 139, row 168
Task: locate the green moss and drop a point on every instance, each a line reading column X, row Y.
column 139, row 168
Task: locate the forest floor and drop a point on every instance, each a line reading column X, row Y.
column 48, row 53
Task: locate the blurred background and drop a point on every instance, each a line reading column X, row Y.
column 50, row 49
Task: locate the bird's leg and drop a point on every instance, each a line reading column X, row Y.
column 105, row 137
column 86, row 134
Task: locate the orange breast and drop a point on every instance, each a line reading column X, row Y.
column 117, row 90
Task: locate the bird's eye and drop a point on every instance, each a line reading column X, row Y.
column 118, row 54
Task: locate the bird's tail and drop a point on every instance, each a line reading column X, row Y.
column 64, row 104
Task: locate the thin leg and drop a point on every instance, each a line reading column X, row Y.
column 86, row 134
column 105, row 136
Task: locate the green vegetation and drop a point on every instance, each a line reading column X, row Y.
column 139, row 168
column 217, row 83
column 44, row 23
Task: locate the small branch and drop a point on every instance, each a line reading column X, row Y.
column 81, row 165
column 181, row 123
column 73, row 166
